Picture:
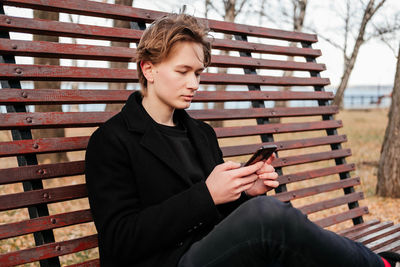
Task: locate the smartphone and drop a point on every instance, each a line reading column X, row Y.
column 262, row 153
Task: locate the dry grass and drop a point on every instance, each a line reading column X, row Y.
column 365, row 130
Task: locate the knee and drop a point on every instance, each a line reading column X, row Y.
column 268, row 210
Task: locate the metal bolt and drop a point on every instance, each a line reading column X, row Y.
column 147, row 15
column 46, row 195
column 41, row 171
column 8, row 21
column 53, row 220
column 29, row 119
column 35, row 145
column 58, row 248
column 24, row 94
column 18, row 70
column 14, row 46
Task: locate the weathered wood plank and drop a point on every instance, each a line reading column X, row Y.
column 48, row 251
column 341, row 217
column 369, row 230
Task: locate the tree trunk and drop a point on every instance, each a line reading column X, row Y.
column 368, row 14
column 119, row 65
column 43, row 133
column 389, row 164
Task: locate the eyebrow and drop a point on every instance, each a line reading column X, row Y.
column 189, row 67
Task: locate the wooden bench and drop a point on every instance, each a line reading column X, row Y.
column 44, row 213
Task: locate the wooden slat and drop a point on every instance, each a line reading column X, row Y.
column 379, row 235
column 357, row 227
column 49, row 250
column 242, row 46
column 49, row 195
column 45, row 223
column 309, row 158
column 318, row 189
column 124, row 54
column 58, row 96
column 61, row 50
column 395, row 246
column 134, row 14
column 331, row 203
column 56, row 28
column 341, row 217
column 237, row 131
column 384, row 241
column 315, row 173
column 369, row 230
column 248, row 62
column 63, row 73
column 230, row 151
column 36, row 120
column 43, row 145
column 91, row 263
column 249, row 113
column 43, row 171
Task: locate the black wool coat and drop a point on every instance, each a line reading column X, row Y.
column 146, row 210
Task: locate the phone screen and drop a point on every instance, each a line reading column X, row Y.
column 262, row 153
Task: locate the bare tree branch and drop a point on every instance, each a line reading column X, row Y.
column 240, row 7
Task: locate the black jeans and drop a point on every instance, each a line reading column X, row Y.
column 266, row 232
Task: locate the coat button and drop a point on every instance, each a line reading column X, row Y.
column 189, row 231
column 180, row 244
column 195, row 227
column 200, row 224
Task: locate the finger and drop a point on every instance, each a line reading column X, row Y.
column 268, row 175
column 230, row 165
column 271, row 158
column 245, row 171
column 271, row 183
column 248, row 180
column 266, row 168
column 245, row 187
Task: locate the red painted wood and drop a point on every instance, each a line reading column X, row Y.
column 87, row 119
column 135, row 14
column 61, row 50
column 57, row 96
column 341, row 217
column 43, row 145
column 56, row 28
column 315, row 173
column 248, row 113
column 369, row 230
column 331, row 203
column 44, row 223
column 358, row 227
column 247, row 62
column 62, row 73
column 237, row 131
column 318, row 189
column 242, row 46
column 91, row 263
column 91, row 52
column 48, row 251
column 43, row 171
column 49, row 195
column 308, row 158
column 230, row 151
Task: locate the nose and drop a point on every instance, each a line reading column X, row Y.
column 193, row 81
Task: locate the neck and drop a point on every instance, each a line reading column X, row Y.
column 160, row 113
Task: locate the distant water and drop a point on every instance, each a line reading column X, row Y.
column 354, row 97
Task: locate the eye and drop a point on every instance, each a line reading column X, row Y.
column 181, row 72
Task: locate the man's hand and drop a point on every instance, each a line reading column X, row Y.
column 266, row 179
column 228, row 180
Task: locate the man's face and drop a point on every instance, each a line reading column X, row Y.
column 176, row 78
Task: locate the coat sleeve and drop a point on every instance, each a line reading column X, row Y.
column 126, row 229
column 227, row 208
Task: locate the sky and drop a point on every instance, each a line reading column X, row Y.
column 376, row 61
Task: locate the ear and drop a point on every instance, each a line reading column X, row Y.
column 147, row 69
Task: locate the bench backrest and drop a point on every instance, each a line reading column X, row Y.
column 44, row 212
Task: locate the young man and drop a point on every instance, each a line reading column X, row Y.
column 161, row 194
